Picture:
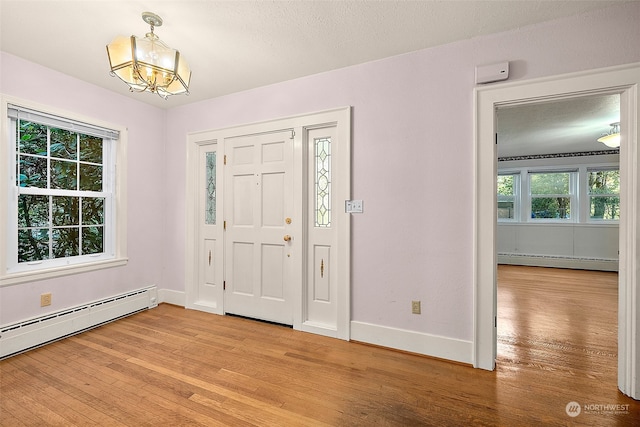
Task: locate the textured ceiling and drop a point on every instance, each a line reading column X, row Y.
column 234, row 46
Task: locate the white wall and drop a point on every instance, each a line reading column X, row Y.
column 412, row 165
column 146, row 201
column 412, row 157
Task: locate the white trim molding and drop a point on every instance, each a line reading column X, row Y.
column 414, row 342
column 624, row 80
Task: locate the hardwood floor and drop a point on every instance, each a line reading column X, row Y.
column 174, row 367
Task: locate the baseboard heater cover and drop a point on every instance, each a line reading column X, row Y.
column 562, row 261
column 32, row 333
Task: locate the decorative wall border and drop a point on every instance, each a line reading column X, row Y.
column 559, row 155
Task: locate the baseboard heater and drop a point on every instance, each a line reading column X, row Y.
column 32, row 333
column 560, row 261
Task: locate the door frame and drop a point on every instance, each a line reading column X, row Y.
column 622, row 79
column 341, row 155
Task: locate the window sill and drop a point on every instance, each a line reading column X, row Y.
column 33, row 276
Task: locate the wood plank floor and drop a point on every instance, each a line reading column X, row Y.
column 174, row 367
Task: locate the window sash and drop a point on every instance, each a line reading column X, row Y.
column 109, row 140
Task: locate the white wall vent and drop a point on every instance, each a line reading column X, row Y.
column 35, row 332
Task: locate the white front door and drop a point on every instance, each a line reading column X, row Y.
column 262, row 237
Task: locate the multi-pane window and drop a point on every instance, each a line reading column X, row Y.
column 508, row 186
column 604, row 194
column 64, row 205
column 551, row 195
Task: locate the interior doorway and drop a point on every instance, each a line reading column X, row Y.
column 546, row 148
column 624, row 80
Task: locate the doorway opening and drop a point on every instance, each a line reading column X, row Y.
column 623, row 80
column 558, row 207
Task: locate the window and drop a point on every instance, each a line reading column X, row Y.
column 551, row 195
column 508, row 200
column 604, row 194
column 62, row 209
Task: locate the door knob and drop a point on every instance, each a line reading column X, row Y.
column 287, row 238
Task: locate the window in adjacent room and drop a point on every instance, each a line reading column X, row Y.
column 604, row 194
column 63, row 205
column 508, row 198
column 551, row 195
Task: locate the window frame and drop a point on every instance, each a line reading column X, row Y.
column 574, row 205
column 516, row 198
column 588, row 195
column 115, row 252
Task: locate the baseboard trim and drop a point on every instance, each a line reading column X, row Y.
column 414, row 342
column 172, row 297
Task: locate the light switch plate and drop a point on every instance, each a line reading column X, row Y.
column 353, row 206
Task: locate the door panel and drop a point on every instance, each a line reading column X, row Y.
column 322, row 282
column 260, row 198
column 209, row 289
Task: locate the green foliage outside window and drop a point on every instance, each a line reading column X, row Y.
column 604, row 195
column 53, row 223
column 550, row 195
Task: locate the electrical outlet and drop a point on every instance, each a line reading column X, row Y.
column 45, row 299
column 415, row 307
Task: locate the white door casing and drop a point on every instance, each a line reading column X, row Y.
column 298, row 261
column 624, row 80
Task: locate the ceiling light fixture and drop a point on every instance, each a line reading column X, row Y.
column 612, row 139
column 148, row 64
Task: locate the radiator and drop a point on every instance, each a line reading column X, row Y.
column 28, row 334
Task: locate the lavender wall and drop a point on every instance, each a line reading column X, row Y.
column 413, row 120
column 146, row 179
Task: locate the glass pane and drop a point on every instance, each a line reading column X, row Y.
column 64, row 175
column 605, row 208
column 550, row 183
column 32, row 138
column 33, row 244
column 32, row 172
column 604, row 182
column 90, row 178
column 65, row 242
column 64, row 144
column 92, row 211
column 33, row 211
column 551, row 207
column 92, row 240
column 210, row 195
column 65, row 211
column 323, row 182
column 505, row 185
column 90, row 149
column 506, row 210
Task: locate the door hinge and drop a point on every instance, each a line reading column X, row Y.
column 293, row 134
column 224, row 285
column 225, row 159
column 496, row 140
column 224, row 225
column 495, row 321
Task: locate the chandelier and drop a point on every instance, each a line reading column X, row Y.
column 148, row 64
column 612, row 139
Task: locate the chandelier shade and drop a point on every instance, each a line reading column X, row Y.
column 148, row 64
column 612, row 139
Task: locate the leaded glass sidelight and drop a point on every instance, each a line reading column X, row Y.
column 210, row 189
column 322, row 154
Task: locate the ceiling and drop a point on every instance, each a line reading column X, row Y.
column 232, row 46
